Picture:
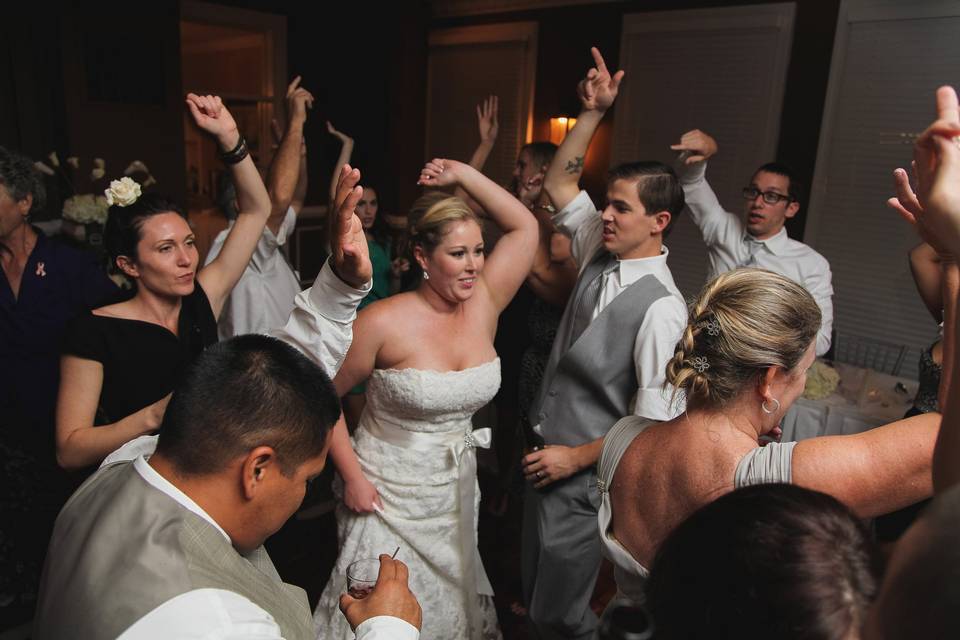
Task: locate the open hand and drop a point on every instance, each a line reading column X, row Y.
column 390, row 597
column 351, row 257
column 298, row 101
column 599, row 89
column 697, row 145
column 934, row 209
column 487, row 119
column 214, row 118
column 552, row 463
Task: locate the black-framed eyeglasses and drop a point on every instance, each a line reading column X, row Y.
column 770, row 197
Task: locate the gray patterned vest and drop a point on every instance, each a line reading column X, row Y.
column 121, row 548
column 591, row 376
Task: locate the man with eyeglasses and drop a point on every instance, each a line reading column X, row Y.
column 758, row 239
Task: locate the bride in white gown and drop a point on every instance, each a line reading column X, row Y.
column 409, row 474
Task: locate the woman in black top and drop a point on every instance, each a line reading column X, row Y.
column 121, row 362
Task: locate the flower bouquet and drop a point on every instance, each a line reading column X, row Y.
column 85, row 214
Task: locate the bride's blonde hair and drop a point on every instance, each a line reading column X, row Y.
column 430, row 216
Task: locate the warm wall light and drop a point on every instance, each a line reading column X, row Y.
column 559, row 127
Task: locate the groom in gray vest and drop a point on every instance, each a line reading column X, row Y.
column 620, row 327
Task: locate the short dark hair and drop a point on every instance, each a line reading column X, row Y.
column 122, row 231
column 245, row 392
column 20, row 178
column 921, row 597
column 794, row 186
column 768, row 561
column 657, row 186
column 541, row 153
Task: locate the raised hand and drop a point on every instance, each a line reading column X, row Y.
column 440, row 173
column 342, row 137
column 599, row 89
column 487, row 119
column 298, row 101
column 934, row 209
column 351, row 258
column 390, row 597
column 696, row 146
column 214, row 118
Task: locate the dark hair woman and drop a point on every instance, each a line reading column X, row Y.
column 121, row 361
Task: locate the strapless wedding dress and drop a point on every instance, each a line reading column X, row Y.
column 415, row 442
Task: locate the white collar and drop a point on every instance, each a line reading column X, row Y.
column 157, row 481
column 775, row 243
column 633, row 269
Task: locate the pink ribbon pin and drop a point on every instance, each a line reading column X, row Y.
column 40, row 270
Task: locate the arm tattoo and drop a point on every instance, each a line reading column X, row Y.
column 575, row 165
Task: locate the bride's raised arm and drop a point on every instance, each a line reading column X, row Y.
column 508, row 265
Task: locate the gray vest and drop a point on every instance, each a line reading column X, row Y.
column 121, row 548
column 591, row 376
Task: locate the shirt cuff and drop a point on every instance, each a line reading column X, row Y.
column 577, row 211
column 337, row 299
column 386, row 628
column 692, row 174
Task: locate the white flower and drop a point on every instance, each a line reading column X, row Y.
column 134, row 167
column 54, row 160
column 99, row 163
column 123, row 192
column 86, row 208
column 97, row 173
column 42, row 168
column 74, row 162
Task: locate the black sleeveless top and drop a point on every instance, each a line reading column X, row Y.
column 142, row 361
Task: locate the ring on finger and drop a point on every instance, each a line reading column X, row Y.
column 539, row 475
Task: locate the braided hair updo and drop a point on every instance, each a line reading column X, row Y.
column 742, row 323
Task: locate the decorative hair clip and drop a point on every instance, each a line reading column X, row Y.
column 123, row 192
column 712, row 326
column 700, row 364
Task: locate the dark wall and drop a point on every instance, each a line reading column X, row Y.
column 364, row 62
column 567, row 33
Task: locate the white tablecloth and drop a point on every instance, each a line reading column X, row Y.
column 863, row 400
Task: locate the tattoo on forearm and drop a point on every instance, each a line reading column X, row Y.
column 575, row 165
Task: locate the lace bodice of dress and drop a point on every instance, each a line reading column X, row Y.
column 430, row 401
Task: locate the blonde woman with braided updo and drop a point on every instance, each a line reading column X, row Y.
column 741, row 363
column 409, row 471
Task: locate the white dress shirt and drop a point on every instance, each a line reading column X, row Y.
column 730, row 246
column 663, row 325
column 263, row 298
column 321, row 323
column 219, row 614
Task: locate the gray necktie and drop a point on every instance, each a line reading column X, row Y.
column 588, row 301
column 753, row 248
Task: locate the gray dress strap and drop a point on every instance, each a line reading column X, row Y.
column 615, row 443
column 764, row 465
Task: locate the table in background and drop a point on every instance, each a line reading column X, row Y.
column 864, row 399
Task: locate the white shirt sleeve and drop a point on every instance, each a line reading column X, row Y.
column 321, row 325
column 656, row 343
column 580, row 221
column 718, row 227
column 205, row 614
column 386, row 628
column 819, row 283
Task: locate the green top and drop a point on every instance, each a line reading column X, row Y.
column 380, row 259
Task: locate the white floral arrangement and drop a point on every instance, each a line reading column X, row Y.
column 822, row 380
column 86, row 208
